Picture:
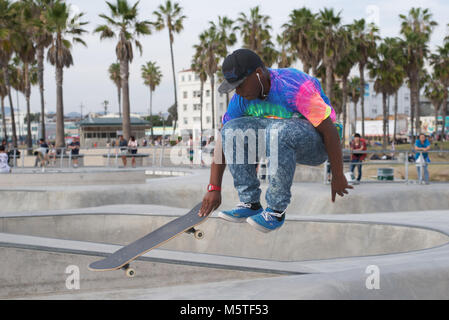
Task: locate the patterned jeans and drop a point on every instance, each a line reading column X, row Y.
column 284, row 142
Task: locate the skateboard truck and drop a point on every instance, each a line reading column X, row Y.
column 199, row 234
column 130, row 272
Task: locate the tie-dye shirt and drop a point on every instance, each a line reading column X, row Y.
column 292, row 91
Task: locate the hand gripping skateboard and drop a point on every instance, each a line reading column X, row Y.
column 122, row 257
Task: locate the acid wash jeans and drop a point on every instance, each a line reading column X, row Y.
column 283, row 142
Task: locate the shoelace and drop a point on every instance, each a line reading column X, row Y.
column 243, row 205
column 270, row 216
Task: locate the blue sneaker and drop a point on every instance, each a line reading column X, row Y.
column 267, row 221
column 240, row 213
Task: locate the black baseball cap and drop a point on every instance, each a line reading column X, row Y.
column 237, row 66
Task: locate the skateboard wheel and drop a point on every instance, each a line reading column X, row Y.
column 199, row 234
column 130, row 272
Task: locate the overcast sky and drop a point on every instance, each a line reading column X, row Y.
column 87, row 81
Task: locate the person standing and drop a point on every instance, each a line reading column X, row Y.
column 132, row 148
column 357, row 144
column 422, row 157
column 123, row 146
column 74, row 147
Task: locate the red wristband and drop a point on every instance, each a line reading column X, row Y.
column 211, row 187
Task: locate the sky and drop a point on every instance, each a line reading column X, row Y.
column 87, row 82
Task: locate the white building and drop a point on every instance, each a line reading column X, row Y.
column 21, row 125
column 373, row 103
column 189, row 103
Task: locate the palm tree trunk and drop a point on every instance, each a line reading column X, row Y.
column 60, row 143
column 329, row 79
column 151, row 113
column 212, row 87
column 344, row 102
column 174, row 74
column 119, row 94
column 417, row 108
column 126, row 120
column 362, row 96
column 40, row 71
column 395, row 115
column 201, row 118
column 385, row 120
column 444, row 113
column 13, row 121
column 27, row 96
column 413, row 104
column 354, row 128
column 5, row 132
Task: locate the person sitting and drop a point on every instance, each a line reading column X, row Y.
column 4, row 167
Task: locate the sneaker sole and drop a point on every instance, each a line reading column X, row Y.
column 231, row 219
column 258, row 227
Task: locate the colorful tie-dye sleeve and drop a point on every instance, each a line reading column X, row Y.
column 235, row 109
column 312, row 103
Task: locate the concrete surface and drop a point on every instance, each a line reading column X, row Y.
column 325, row 250
column 186, row 191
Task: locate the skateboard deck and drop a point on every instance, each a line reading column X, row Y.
column 122, row 257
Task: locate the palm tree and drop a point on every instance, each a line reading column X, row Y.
column 114, row 75
column 226, row 30
column 440, row 63
column 170, row 16
column 342, row 70
column 41, row 38
column 434, row 91
column 365, row 37
column 335, row 40
column 212, row 49
column 59, row 54
column 124, row 21
column 10, row 37
column 3, row 94
column 416, row 28
column 255, row 30
column 198, row 66
column 385, row 72
column 26, row 51
column 151, row 74
column 286, row 57
column 301, row 31
column 354, row 91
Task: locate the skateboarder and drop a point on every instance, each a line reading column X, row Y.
column 291, row 110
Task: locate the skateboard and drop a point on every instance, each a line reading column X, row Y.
column 122, row 258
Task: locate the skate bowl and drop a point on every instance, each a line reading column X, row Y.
column 299, row 240
column 39, row 251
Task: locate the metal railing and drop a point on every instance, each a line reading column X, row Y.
column 179, row 156
column 398, row 159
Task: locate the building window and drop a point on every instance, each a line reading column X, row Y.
column 190, row 77
column 185, row 121
column 184, row 94
column 207, row 106
column 208, row 119
column 184, row 107
column 207, row 93
column 196, row 119
column 182, row 79
column 197, row 94
column 196, row 107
